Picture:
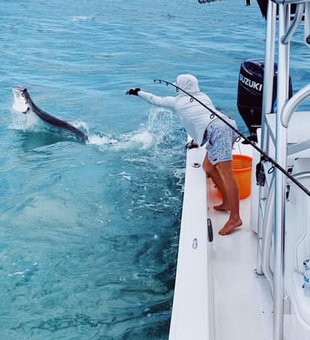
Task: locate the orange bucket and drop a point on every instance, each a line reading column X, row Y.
column 242, row 168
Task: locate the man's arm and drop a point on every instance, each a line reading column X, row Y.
column 168, row 102
column 156, row 100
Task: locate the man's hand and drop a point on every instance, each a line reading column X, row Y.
column 133, row 92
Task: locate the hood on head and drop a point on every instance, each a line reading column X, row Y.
column 21, row 99
column 188, row 83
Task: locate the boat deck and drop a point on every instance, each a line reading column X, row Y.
column 237, row 294
column 218, row 295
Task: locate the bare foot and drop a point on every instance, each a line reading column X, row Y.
column 230, row 226
column 222, row 207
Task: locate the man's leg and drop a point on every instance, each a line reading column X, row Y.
column 231, row 187
column 212, row 171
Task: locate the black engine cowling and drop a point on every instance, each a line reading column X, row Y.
column 250, row 92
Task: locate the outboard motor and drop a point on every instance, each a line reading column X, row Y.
column 250, row 93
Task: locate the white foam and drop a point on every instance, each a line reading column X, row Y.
column 82, row 18
column 126, row 176
column 79, row 124
column 145, row 138
column 179, row 174
column 101, row 140
column 156, row 130
column 140, row 139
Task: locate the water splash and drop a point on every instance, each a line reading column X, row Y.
column 24, row 122
column 96, row 139
column 30, row 122
column 157, row 130
column 79, row 124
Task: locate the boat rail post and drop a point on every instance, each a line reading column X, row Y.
column 281, row 154
column 267, row 235
column 266, row 108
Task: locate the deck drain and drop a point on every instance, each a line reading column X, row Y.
column 196, row 165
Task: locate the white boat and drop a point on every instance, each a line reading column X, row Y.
column 249, row 284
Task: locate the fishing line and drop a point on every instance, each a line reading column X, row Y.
column 264, row 157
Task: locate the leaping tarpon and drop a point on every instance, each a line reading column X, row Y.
column 24, row 104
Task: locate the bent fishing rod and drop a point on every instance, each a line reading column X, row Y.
column 265, row 156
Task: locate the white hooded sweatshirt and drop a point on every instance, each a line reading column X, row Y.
column 194, row 117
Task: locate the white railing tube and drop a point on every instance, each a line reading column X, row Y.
column 281, row 154
column 269, row 67
column 267, row 102
column 287, row 2
column 292, row 105
column 267, row 234
column 295, row 23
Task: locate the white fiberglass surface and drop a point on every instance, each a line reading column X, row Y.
column 237, row 314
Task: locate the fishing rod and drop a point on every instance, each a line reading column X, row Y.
column 265, row 156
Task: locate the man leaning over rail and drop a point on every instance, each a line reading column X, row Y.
column 217, row 137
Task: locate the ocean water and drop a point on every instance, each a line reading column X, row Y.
column 89, row 232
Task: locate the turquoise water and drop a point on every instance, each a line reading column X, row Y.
column 89, row 233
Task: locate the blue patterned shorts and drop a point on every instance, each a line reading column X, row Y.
column 220, row 139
